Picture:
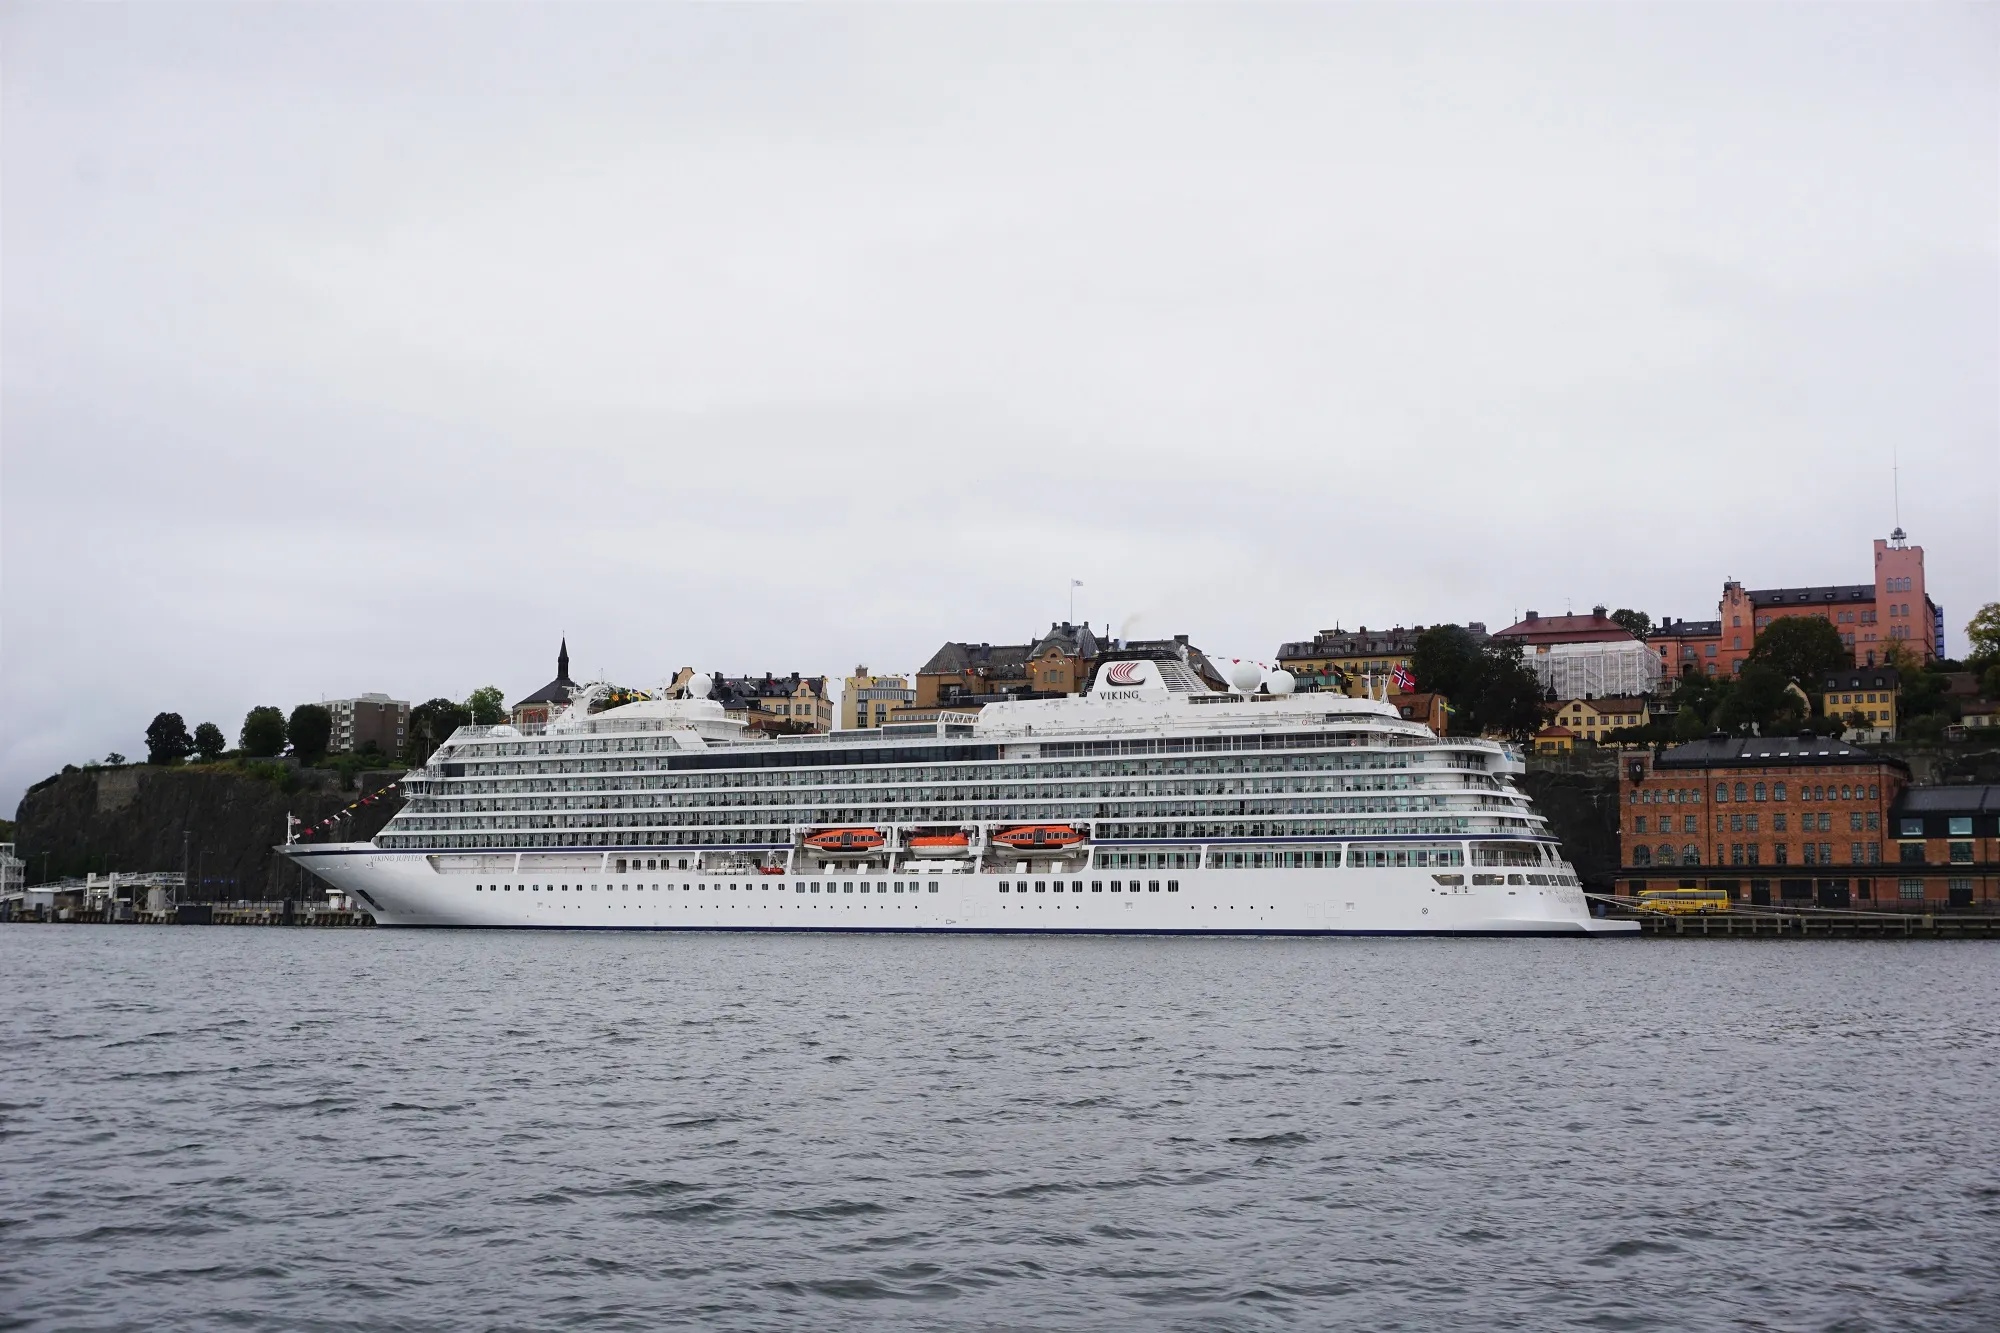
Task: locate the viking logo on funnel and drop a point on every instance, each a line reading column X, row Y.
column 1123, row 673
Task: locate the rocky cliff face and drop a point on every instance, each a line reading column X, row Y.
column 1582, row 809
column 133, row 819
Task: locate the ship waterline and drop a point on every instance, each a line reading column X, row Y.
column 1149, row 804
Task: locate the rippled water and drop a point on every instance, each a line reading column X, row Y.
column 211, row 1127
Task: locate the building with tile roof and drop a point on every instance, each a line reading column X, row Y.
column 537, row 708
column 1576, row 657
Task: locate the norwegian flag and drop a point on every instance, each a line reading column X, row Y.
column 1405, row 682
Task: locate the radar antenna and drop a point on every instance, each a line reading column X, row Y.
column 1896, row 492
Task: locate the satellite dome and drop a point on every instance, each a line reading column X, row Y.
column 503, row 730
column 1246, row 676
column 699, row 685
column 1282, row 682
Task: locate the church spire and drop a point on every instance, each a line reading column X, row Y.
column 562, row 660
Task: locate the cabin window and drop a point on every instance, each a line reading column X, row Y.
column 1173, row 886
column 1041, row 886
column 1152, row 886
column 847, row 888
column 1097, row 886
column 1118, row 886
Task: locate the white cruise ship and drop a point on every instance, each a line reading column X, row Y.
column 1151, row 804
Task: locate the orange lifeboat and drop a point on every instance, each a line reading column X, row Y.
column 940, row 844
column 1034, row 837
column 846, row 840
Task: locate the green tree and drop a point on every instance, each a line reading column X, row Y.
column 1690, row 724
column 263, row 735
column 1638, row 622
column 431, row 724
column 1508, row 699
column 1759, row 699
column 1444, row 660
column 1989, row 682
column 1490, row 687
column 311, row 728
column 1982, row 635
column 167, row 740
column 1802, row 648
column 209, row 741
column 1922, row 693
column 487, row 706
column 1929, row 727
column 1701, row 694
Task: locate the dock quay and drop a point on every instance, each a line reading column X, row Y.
column 1815, row 925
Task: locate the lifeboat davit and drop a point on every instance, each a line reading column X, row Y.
column 1031, row 837
column 941, row 844
column 846, row 840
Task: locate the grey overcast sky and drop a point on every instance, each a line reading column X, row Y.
column 373, row 347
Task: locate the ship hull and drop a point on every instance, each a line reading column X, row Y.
column 417, row 890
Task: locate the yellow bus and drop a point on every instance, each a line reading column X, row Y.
column 1684, row 900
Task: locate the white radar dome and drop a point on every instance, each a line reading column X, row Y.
column 1246, row 677
column 699, row 685
column 1282, row 682
column 503, row 730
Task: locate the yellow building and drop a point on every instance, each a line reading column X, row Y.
column 1865, row 698
column 1357, row 653
column 1594, row 719
column 865, row 700
column 783, row 705
column 1554, row 740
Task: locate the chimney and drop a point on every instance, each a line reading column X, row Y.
column 1533, row 617
column 1597, row 612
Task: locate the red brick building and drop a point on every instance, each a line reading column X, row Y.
column 1894, row 608
column 1687, row 647
column 1948, row 847
column 1770, row 819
